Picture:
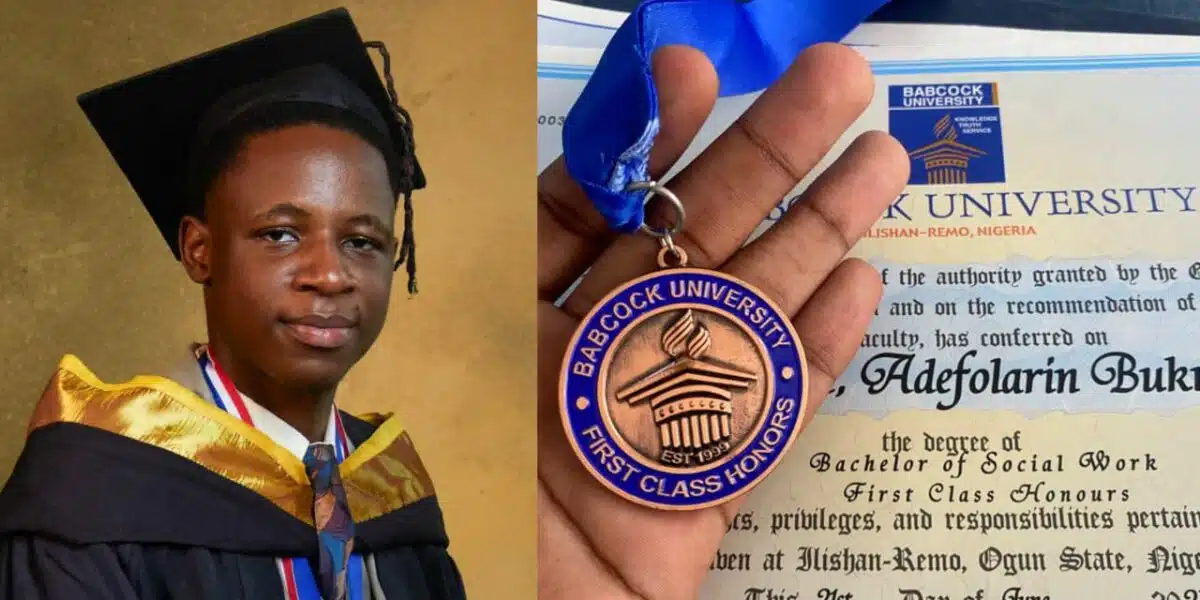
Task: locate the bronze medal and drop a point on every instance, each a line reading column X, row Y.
column 683, row 388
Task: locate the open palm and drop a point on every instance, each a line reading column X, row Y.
column 593, row 544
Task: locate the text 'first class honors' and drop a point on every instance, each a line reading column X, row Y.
column 950, row 130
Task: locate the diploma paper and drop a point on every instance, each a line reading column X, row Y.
column 1020, row 422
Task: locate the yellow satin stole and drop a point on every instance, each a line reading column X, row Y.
column 382, row 475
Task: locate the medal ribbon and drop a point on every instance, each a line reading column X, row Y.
column 611, row 127
column 299, row 580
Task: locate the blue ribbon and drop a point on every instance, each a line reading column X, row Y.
column 611, row 128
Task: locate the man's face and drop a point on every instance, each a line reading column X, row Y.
column 297, row 253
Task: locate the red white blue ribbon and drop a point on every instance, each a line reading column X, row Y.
column 299, row 581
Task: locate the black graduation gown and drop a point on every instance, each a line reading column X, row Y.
column 138, row 491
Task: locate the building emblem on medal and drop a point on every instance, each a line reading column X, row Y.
column 689, row 398
column 683, row 389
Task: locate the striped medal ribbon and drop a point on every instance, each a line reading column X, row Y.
column 299, row 581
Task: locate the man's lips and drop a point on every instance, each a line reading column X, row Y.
column 322, row 331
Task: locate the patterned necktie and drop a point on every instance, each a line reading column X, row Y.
column 331, row 513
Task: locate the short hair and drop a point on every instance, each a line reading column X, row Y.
column 223, row 149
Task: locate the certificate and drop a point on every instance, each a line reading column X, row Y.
column 1021, row 419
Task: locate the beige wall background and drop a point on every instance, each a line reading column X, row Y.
column 82, row 269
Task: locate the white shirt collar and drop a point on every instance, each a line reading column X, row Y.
column 279, row 430
column 283, row 434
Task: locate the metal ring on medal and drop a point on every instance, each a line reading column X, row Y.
column 683, row 389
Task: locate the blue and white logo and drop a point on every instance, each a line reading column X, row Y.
column 951, row 132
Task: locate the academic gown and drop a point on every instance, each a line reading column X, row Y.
column 144, row 490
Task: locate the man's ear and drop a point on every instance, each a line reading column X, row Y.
column 195, row 249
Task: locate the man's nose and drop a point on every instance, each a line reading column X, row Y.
column 323, row 269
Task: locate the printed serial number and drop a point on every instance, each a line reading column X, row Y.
column 1184, row 595
column 551, row 120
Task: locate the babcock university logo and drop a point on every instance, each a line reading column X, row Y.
column 950, row 130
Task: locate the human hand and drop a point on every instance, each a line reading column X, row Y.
column 593, row 544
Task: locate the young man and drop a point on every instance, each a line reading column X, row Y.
column 273, row 167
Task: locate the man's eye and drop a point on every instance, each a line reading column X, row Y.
column 363, row 243
column 278, row 236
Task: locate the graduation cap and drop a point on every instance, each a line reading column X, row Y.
column 154, row 123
